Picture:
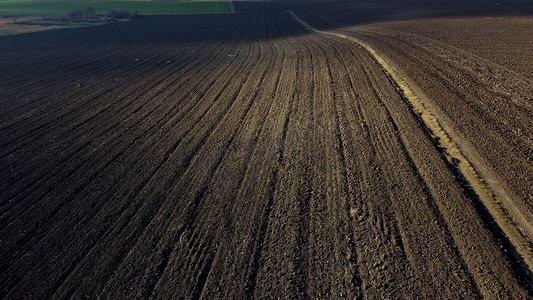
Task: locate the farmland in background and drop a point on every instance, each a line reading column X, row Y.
column 54, row 7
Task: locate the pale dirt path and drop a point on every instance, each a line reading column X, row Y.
column 509, row 209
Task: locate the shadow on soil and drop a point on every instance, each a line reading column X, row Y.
column 254, row 20
column 323, row 14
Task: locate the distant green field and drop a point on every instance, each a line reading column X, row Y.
column 143, row 7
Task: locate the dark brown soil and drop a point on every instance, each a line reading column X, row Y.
column 505, row 41
column 229, row 156
column 487, row 106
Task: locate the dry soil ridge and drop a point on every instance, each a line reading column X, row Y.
column 489, row 190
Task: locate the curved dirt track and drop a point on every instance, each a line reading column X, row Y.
column 485, row 106
column 229, row 156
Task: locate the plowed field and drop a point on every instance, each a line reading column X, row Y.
column 228, row 156
column 473, row 73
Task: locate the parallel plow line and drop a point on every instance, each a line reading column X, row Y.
column 524, row 247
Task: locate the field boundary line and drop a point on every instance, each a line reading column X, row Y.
column 231, row 6
column 523, row 246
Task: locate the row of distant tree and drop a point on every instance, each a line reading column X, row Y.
column 90, row 12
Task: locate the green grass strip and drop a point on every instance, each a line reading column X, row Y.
column 144, row 7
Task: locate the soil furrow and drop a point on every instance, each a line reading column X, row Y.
column 264, row 160
column 133, row 126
